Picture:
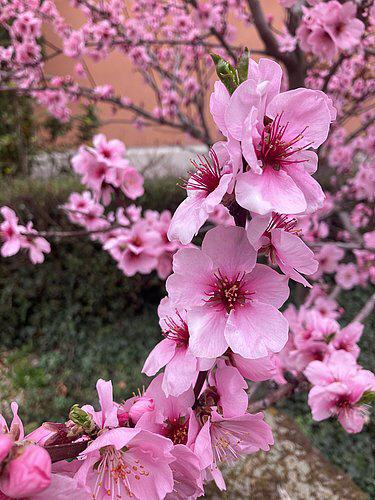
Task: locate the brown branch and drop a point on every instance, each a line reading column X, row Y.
column 282, row 392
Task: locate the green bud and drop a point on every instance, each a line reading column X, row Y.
column 243, row 65
column 226, row 73
column 82, row 419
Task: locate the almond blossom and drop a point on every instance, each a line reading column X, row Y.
column 230, row 301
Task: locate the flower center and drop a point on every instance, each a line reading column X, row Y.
column 207, row 174
column 177, row 430
column 280, row 221
column 114, row 471
column 176, row 330
column 228, row 293
column 275, row 150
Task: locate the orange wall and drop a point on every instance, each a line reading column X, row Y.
column 118, row 71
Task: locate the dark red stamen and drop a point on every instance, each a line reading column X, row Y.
column 207, row 174
column 228, row 292
column 280, row 221
column 176, row 330
column 276, row 151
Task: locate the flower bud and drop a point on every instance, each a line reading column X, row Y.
column 28, row 473
column 82, row 419
column 141, row 406
column 6, row 443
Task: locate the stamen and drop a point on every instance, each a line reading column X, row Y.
column 274, row 150
column 176, row 330
column 228, row 292
column 206, row 176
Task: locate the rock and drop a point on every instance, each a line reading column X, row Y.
column 293, row 469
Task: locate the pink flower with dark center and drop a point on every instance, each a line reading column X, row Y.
column 205, row 189
column 276, row 131
column 230, row 301
column 10, row 232
column 127, row 462
column 339, row 385
column 222, row 439
column 278, row 238
column 181, row 366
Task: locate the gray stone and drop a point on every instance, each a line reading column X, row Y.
column 293, row 469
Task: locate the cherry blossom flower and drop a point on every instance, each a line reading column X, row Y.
column 181, row 366
column 276, row 235
column 231, row 302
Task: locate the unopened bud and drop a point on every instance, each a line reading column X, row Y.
column 141, row 406
column 82, row 419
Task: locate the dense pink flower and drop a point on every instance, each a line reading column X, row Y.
column 339, row 385
column 347, row 276
column 230, row 387
column 231, row 302
column 276, row 235
column 227, row 439
column 127, row 462
column 136, row 249
column 186, row 474
column 205, row 189
column 276, row 133
column 181, row 366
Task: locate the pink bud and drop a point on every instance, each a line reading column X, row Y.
column 141, row 406
column 28, row 473
column 6, row 443
column 123, row 417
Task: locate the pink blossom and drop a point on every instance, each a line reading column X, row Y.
column 347, row 338
column 347, row 276
column 369, row 239
column 11, row 232
column 181, row 366
column 141, row 406
column 226, row 439
column 231, row 302
column 278, row 177
column 127, row 462
column 339, row 385
column 276, row 236
column 36, row 245
column 328, row 257
column 205, row 189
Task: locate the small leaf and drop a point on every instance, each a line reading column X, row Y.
column 226, row 72
column 367, row 398
column 243, row 65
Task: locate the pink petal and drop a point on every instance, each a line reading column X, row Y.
column 267, row 285
column 272, row 190
column 161, row 354
column 206, row 327
column 310, row 188
column 255, row 329
column 302, row 108
column 229, row 250
column 180, row 373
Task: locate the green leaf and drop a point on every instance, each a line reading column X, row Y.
column 367, row 398
column 226, row 73
column 243, row 65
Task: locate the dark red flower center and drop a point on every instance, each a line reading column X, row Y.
column 176, row 330
column 275, row 149
column 177, row 430
column 228, row 293
column 207, row 174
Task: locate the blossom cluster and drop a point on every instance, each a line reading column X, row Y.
column 221, row 322
column 328, row 28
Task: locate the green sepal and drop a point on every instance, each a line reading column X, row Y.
column 243, row 65
column 226, row 73
column 367, row 398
